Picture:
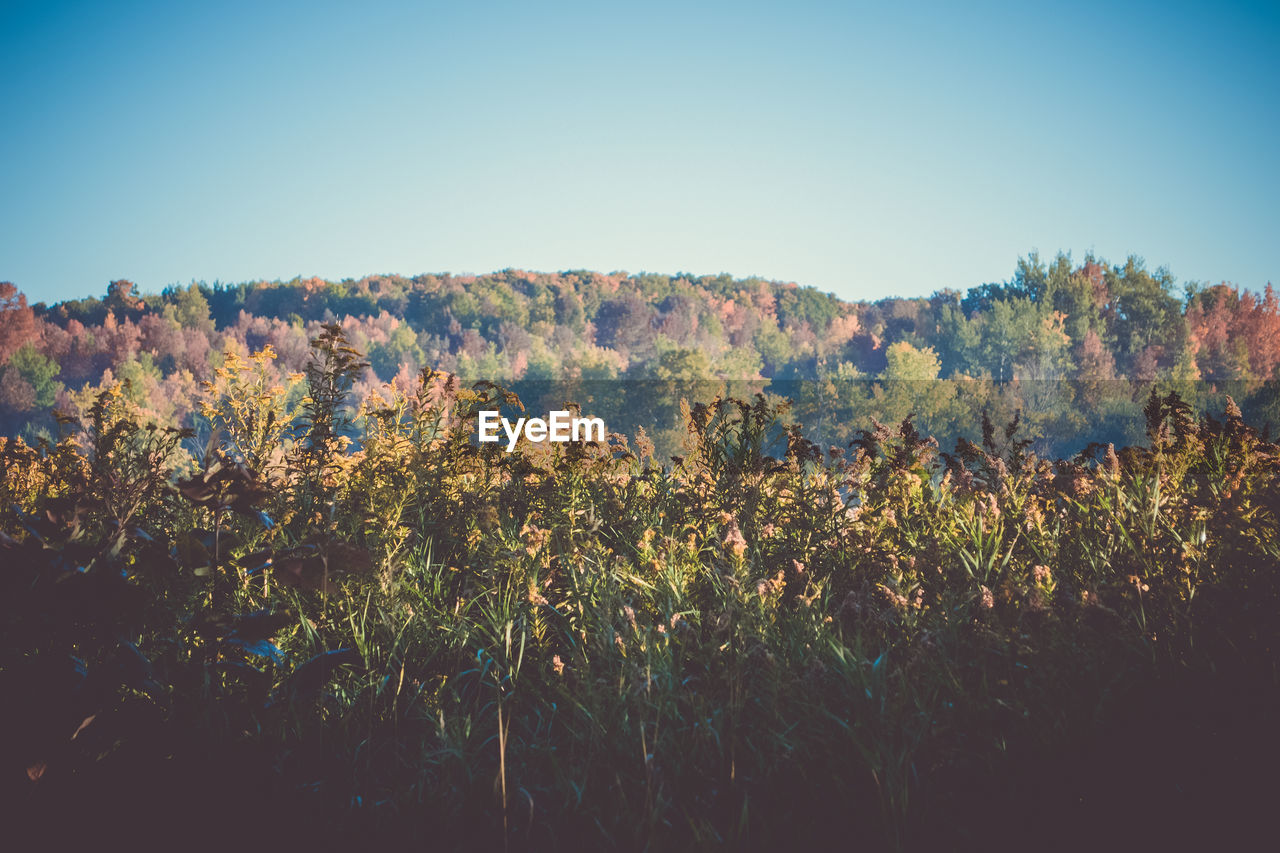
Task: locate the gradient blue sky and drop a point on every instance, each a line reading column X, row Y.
column 865, row 149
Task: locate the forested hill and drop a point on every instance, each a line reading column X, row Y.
column 1088, row 322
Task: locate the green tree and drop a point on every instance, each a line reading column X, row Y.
column 39, row 372
column 958, row 340
column 683, row 365
column 908, row 386
column 911, row 364
column 192, row 309
column 1147, row 312
column 401, row 348
column 1016, row 338
column 774, row 348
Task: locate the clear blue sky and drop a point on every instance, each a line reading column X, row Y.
column 865, row 149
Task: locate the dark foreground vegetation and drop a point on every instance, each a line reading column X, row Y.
column 292, row 638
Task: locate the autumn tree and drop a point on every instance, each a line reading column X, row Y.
column 121, row 297
column 626, row 324
column 1095, row 366
column 1234, row 335
column 1260, row 329
column 17, row 320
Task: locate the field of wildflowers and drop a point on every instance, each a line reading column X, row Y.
column 320, row 624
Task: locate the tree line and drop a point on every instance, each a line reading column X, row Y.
column 1073, row 347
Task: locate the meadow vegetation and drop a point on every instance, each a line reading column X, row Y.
column 317, row 622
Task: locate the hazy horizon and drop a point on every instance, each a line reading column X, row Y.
column 866, row 152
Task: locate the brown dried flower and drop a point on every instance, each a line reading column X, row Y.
column 734, row 542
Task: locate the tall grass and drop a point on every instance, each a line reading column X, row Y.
column 763, row 642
